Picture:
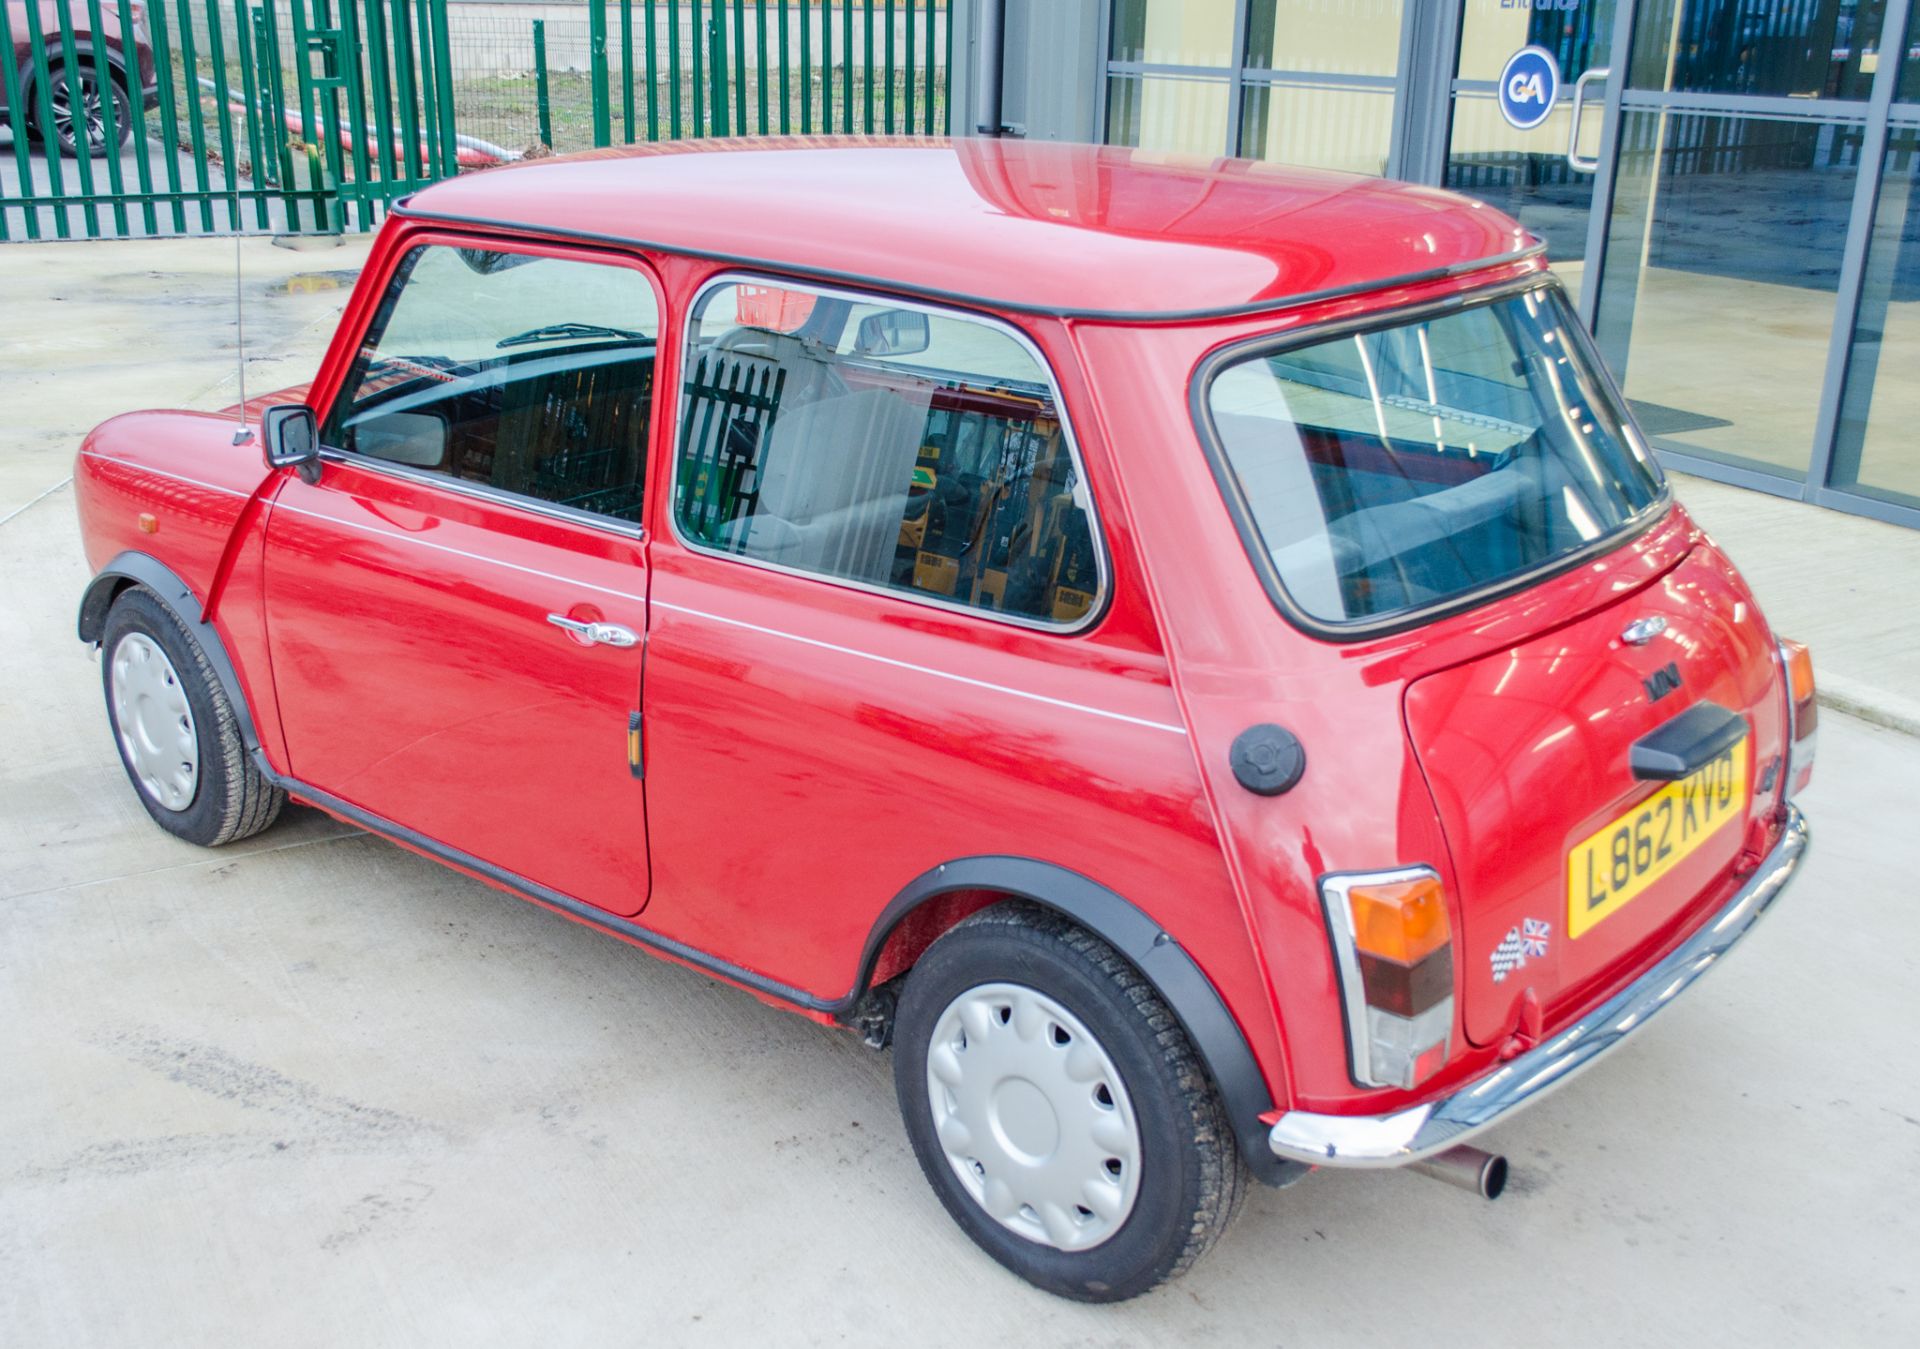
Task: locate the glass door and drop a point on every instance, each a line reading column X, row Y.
column 1724, row 187
column 1739, row 168
column 1520, row 71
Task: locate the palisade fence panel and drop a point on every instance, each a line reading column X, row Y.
column 311, row 116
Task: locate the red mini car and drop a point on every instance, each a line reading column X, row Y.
column 1198, row 658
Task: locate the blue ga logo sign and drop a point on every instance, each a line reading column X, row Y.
column 1528, row 86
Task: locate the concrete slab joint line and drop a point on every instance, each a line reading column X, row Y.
column 22, row 510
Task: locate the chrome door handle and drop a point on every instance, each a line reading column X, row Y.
column 595, row 634
column 1576, row 161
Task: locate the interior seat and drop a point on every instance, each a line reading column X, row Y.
column 833, row 478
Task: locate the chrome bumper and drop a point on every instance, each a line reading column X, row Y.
column 1422, row 1130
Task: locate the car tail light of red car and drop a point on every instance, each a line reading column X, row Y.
column 1393, row 943
column 1802, row 714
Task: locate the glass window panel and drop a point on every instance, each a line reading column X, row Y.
column 1723, row 256
column 1396, row 469
column 1173, row 32
column 1878, row 452
column 1168, row 114
column 1786, row 48
column 1526, row 174
column 1349, row 129
column 1909, row 90
column 530, row 374
column 895, row 447
column 1344, row 37
column 1579, row 35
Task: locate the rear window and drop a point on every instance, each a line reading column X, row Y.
column 1389, row 471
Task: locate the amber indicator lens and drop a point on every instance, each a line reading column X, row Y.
column 1401, row 921
column 1799, row 661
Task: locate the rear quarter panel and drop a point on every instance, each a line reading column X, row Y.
column 1364, row 803
column 812, row 750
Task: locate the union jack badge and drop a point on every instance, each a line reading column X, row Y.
column 1527, row 941
column 1533, row 937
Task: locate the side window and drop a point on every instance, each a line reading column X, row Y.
column 530, row 374
column 898, row 447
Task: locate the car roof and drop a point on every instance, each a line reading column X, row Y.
column 1081, row 230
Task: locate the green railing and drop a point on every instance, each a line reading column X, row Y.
column 301, row 116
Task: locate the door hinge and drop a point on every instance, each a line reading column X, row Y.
column 636, row 753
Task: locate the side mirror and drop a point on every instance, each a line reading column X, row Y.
column 892, row 332
column 291, row 439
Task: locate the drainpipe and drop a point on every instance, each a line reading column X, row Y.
column 992, row 52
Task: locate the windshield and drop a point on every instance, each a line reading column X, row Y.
column 1388, row 471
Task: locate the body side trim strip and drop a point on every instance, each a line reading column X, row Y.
column 166, row 473
column 924, row 669
column 457, row 552
column 740, row 623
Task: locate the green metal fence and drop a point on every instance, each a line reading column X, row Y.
column 202, row 116
column 298, row 116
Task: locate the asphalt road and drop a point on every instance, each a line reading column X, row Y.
column 312, row 1090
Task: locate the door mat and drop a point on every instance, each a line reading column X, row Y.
column 1658, row 420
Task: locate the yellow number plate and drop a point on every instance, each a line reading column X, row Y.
column 1609, row 869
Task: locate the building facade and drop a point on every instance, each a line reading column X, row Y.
column 1730, row 188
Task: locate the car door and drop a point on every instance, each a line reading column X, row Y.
column 457, row 607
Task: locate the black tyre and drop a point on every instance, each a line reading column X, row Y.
column 1058, row 1108
column 178, row 737
column 78, row 106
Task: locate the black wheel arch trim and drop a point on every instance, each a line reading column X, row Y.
column 1161, row 960
column 133, row 568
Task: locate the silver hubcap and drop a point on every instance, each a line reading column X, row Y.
column 1033, row 1116
column 156, row 725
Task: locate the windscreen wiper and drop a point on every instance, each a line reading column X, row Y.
column 555, row 331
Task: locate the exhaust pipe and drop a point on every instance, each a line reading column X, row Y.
column 1484, row 1173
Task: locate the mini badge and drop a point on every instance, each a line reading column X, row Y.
column 1521, row 944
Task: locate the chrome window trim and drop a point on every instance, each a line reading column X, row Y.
column 1403, row 620
column 1346, row 960
column 1103, row 571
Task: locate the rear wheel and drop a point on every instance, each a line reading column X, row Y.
column 178, row 737
column 1058, row 1108
column 78, row 106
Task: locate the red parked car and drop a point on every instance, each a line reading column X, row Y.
column 1198, row 658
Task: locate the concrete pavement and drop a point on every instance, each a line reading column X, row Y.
column 1843, row 584
column 313, row 1090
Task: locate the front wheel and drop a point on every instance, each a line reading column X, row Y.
column 1058, row 1108
column 177, row 732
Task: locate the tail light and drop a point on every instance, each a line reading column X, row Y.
column 1393, row 944
column 1802, row 714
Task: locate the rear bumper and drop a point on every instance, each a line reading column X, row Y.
column 1422, row 1130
